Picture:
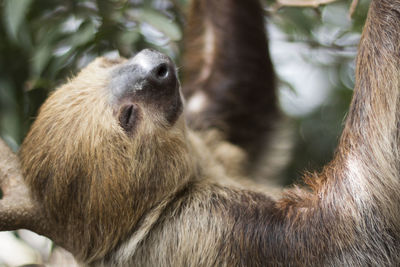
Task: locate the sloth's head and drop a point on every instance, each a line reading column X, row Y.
column 109, row 145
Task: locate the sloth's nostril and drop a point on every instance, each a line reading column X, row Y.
column 161, row 71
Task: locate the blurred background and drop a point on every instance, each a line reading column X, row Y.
column 43, row 42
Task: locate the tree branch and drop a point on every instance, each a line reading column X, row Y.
column 303, row 3
column 353, row 7
column 311, row 3
column 17, row 208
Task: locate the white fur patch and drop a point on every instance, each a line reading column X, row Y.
column 357, row 180
column 208, row 52
column 142, row 59
column 209, row 44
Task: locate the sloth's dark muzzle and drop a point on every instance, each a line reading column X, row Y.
column 149, row 78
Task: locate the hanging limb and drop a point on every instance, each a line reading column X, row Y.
column 229, row 82
column 356, row 197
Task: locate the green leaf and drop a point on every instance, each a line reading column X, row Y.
column 7, row 94
column 14, row 15
column 336, row 14
column 10, row 123
column 130, row 37
column 85, row 34
column 41, row 58
column 161, row 23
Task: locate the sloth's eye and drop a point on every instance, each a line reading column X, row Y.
column 127, row 117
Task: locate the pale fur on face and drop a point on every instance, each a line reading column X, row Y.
column 80, row 160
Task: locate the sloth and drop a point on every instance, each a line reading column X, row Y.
column 126, row 167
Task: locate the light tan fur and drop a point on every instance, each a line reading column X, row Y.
column 165, row 195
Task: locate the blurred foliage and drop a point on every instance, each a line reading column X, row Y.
column 43, row 42
column 331, row 38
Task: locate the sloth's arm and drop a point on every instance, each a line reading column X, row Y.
column 228, row 79
column 351, row 215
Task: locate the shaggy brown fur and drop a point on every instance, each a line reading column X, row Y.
column 228, row 70
column 158, row 196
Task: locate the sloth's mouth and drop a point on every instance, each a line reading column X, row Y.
column 148, row 78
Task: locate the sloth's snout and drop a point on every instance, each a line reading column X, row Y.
column 148, row 77
column 155, row 69
column 148, row 74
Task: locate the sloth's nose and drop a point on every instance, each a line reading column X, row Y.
column 148, row 74
column 154, row 67
column 150, row 78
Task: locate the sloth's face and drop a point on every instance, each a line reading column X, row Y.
column 124, row 109
column 114, row 130
column 122, row 98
